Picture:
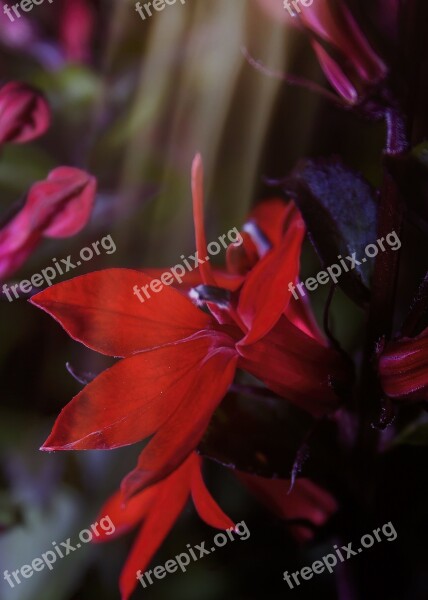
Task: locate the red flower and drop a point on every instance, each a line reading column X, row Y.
column 357, row 66
column 179, row 361
column 57, row 207
column 305, row 502
column 403, row 367
column 158, row 507
column 24, row 113
column 345, row 55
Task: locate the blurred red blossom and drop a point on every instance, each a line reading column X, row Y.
column 24, row 113
column 57, row 207
column 76, row 30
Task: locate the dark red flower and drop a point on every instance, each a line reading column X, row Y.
column 179, row 361
column 158, row 507
column 24, row 113
column 306, row 501
column 345, row 55
column 403, row 368
column 58, row 207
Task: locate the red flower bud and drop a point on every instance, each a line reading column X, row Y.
column 24, row 113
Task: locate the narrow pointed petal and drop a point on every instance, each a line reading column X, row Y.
column 183, row 430
column 265, row 294
column 403, row 368
column 171, row 497
column 154, row 384
column 299, row 313
column 270, row 216
column 206, row 506
column 297, row 367
column 124, row 516
column 198, row 217
column 101, row 311
column 337, row 78
column 340, row 29
column 241, row 259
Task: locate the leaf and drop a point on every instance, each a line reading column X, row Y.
column 264, row 435
column 340, row 211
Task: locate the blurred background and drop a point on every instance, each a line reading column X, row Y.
column 132, row 103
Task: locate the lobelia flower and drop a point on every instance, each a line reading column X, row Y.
column 178, row 361
column 403, row 368
column 349, row 62
column 158, row 507
column 58, row 207
column 24, row 113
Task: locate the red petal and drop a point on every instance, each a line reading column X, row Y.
column 193, row 278
column 241, row 259
column 198, row 217
column 62, row 204
column 306, row 500
column 11, row 259
column 171, row 497
column 206, row 506
column 403, row 368
column 181, row 433
column 56, row 207
column 297, row 367
column 339, row 28
column 270, row 216
column 300, row 314
column 135, row 397
column 24, row 113
column 265, row 294
column 124, row 516
column 335, row 75
column 101, row 311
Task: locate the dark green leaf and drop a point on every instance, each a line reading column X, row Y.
column 340, row 211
